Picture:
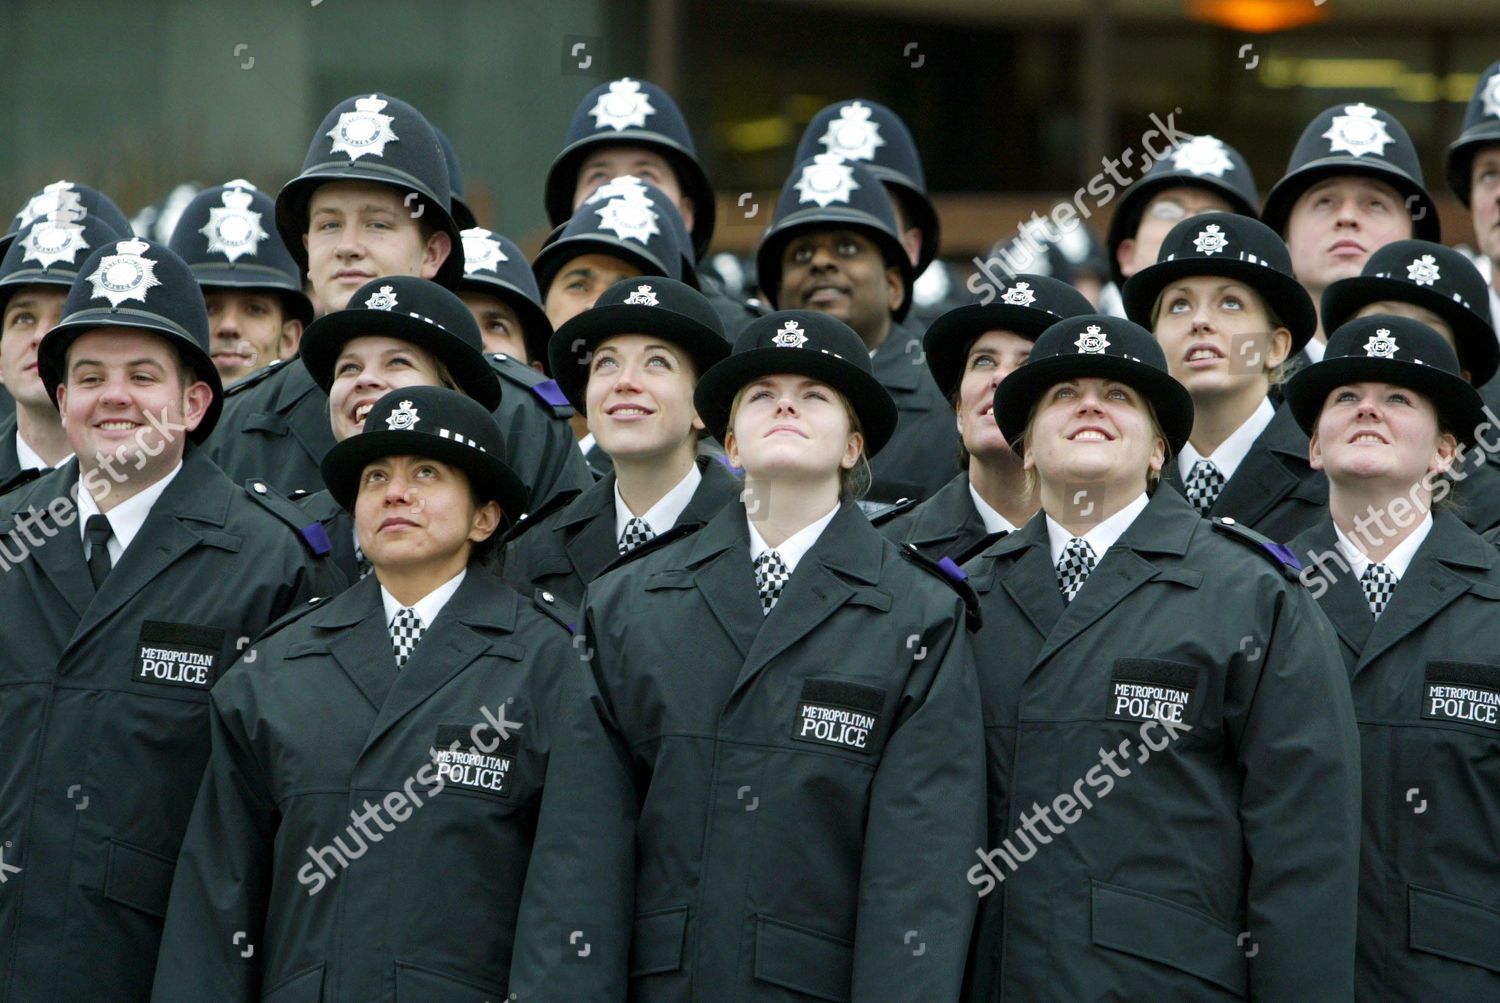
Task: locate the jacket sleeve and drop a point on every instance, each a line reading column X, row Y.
column 210, row 947
column 577, row 908
column 926, row 818
column 1299, row 810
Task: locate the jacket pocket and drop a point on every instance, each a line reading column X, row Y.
column 1157, row 929
column 304, row 987
column 803, row 960
column 656, row 945
column 1451, row 926
column 138, row 878
column 422, row 985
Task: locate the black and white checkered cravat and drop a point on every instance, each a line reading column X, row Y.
column 637, row 531
column 1204, row 482
column 406, row 631
column 1074, row 566
column 771, row 576
column 1379, row 583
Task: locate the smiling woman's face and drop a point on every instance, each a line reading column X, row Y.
column 791, row 427
column 1379, row 432
column 366, row 369
column 1096, row 433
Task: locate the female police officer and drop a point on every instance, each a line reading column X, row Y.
column 800, row 707
column 1162, row 700
column 1415, row 597
column 320, row 862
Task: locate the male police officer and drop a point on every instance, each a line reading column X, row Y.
column 1473, row 170
column 134, row 574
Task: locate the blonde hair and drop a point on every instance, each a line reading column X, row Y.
column 1277, row 375
column 854, row 481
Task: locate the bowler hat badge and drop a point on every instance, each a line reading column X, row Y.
column 1423, row 271
column 1092, row 341
column 1019, row 294
column 384, row 299
column 1381, row 345
column 789, row 335
column 1210, row 240
column 643, row 296
column 402, row 419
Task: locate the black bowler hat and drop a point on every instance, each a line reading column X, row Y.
column 831, row 193
column 1095, row 345
column 437, row 423
column 1205, row 162
column 222, row 235
column 628, row 219
column 142, row 285
column 50, row 251
column 1481, row 129
column 1027, row 305
column 656, row 307
column 1229, row 246
column 1428, row 275
column 463, row 216
column 411, row 309
column 374, row 137
column 1387, row 349
column 628, row 112
column 872, row 134
column 805, row 343
column 494, row 264
column 1354, row 139
column 80, row 201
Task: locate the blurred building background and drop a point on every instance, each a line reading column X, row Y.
column 1013, row 102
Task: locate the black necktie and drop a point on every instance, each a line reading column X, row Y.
column 98, row 532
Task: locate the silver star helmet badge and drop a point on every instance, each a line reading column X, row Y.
column 482, row 251
column 852, row 135
column 1491, row 96
column 1358, row 132
column 59, row 195
column 827, row 179
column 1423, row 271
column 1092, row 341
column 364, row 130
column 382, row 299
column 234, row 229
column 789, row 335
column 59, row 237
column 1210, row 240
column 1202, row 155
column 402, row 419
column 644, row 295
column 125, row 275
column 622, row 106
column 1381, row 345
column 626, row 186
column 1019, row 294
column 629, row 219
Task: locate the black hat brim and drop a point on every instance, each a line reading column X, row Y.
column 587, row 330
column 1424, row 215
column 1126, row 222
column 768, row 254
column 259, row 278
column 1478, row 351
column 1282, row 293
column 325, row 339
column 870, row 401
column 1019, row 392
column 1459, row 164
column 551, row 259
column 947, row 340
column 1458, row 402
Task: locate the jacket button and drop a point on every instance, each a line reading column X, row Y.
column 547, row 597
column 260, row 488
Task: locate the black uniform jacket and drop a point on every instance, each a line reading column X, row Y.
column 10, row 463
column 472, row 757
column 924, row 453
column 104, row 714
column 810, row 782
column 1213, row 862
column 945, row 525
column 1426, row 682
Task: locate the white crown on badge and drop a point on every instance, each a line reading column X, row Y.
column 383, row 298
column 126, row 274
column 59, row 195
column 852, row 135
column 1092, row 341
column 402, row 419
column 59, row 237
column 1357, row 132
column 482, row 251
column 363, row 130
column 1210, row 240
column 1381, row 345
column 233, row 229
column 644, row 295
column 1203, row 155
column 826, row 180
column 1423, row 271
column 1491, row 95
column 630, row 219
column 622, row 106
column 789, row 335
column 1019, row 294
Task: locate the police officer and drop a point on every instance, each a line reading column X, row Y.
column 1228, row 313
column 257, row 310
column 630, row 363
column 833, row 246
column 78, row 201
column 1162, row 702
column 1412, row 593
column 969, row 351
column 1473, row 170
column 499, row 288
column 806, row 805
column 135, row 573
column 1353, row 184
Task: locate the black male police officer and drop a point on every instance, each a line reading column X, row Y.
column 122, row 610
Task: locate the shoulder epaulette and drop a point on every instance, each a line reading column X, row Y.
column 948, row 571
column 309, row 530
column 527, row 520
column 880, row 513
column 553, row 608
column 985, row 543
column 1279, row 554
column 654, row 544
column 23, row 478
column 287, row 619
column 255, row 378
column 539, row 384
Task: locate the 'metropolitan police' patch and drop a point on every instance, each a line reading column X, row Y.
column 1145, row 689
column 837, row 713
column 461, row 764
column 178, row 654
column 1462, row 692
